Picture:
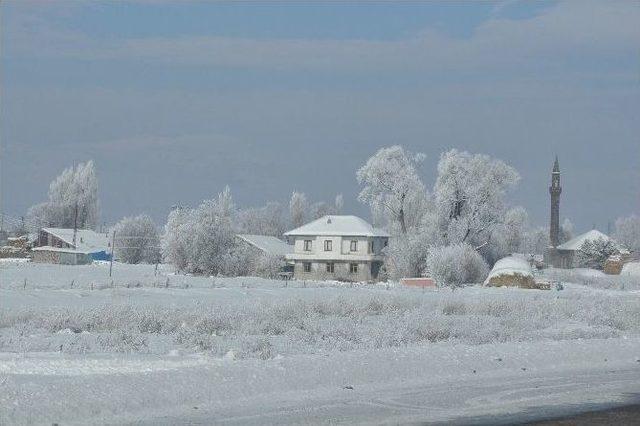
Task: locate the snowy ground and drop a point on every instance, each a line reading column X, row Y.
column 77, row 349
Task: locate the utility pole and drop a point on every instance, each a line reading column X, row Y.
column 75, row 225
column 113, row 246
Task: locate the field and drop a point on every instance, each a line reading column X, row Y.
column 146, row 346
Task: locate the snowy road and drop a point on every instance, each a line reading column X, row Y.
column 428, row 383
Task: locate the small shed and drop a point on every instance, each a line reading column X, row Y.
column 87, row 241
column 61, row 256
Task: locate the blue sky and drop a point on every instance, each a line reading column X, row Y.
column 173, row 100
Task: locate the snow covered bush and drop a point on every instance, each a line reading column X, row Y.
column 407, row 255
column 456, row 265
column 337, row 321
column 73, row 200
column 594, row 253
column 137, row 240
column 269, row 266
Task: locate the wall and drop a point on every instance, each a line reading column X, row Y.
column 341, row 271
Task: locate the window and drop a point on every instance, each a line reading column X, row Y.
column 307, row 266
column 327, row 245
column 307, row 245
column 354, row 245
column 353, row 268
column 330, row 267
column 370, row 246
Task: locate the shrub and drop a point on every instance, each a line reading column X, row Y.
column 456, row 265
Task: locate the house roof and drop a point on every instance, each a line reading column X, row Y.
column 60, row 250
column 339, row 225
column 86, row 240
column 268, row 244
column 576, row 243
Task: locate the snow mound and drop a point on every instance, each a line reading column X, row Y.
column 511, row 270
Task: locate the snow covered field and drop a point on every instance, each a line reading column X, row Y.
column 75, row 348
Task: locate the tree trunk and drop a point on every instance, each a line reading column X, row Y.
column 403, row 226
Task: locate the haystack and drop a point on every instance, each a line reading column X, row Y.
column 512, row 272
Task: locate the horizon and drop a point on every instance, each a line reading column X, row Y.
column 173, row 101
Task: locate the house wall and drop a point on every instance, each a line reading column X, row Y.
column 341, row 255
column 563, row 259
column 341, row 271
column 46, row 256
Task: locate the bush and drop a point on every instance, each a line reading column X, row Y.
column 594, row 253
column 456, row 265
column 137, row 240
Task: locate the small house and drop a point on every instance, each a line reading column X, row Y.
column 338, row 247
column 59, row 245
column 61, row 256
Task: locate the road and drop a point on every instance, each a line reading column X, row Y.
column 510, row 400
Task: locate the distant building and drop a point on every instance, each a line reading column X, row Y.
column 337, row 247
column 565, row 253
column 553, row 256
column 66, row 246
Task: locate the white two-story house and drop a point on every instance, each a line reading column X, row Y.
column 337, row 247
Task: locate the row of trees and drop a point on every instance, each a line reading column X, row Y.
column 462, row 221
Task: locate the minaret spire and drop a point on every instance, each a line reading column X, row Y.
column 555, row 189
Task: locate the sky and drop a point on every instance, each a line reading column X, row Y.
column 175, row 100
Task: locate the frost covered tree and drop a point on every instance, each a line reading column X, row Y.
column 391, row 184
column 566, row 230
column 512, row 233
column 267, row 220
column 298, row 209
column 456, row 264
column 627, row 232
column 73, row 199
column 469, row 196
column 537, row 240
column 176, row 241
column 339, row 204
column 213, row 234
column 594, row 253
column 137, row 240
column 203, row 240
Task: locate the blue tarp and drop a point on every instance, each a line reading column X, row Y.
column 100, row 255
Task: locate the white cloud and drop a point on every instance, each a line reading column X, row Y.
column 569, row 28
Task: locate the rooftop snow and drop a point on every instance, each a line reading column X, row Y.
column 337, row 225
column 576, row 243
column 268, row 244
column 60, row 250
column 86, row 239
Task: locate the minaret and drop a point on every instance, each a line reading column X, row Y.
column 555, row 189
